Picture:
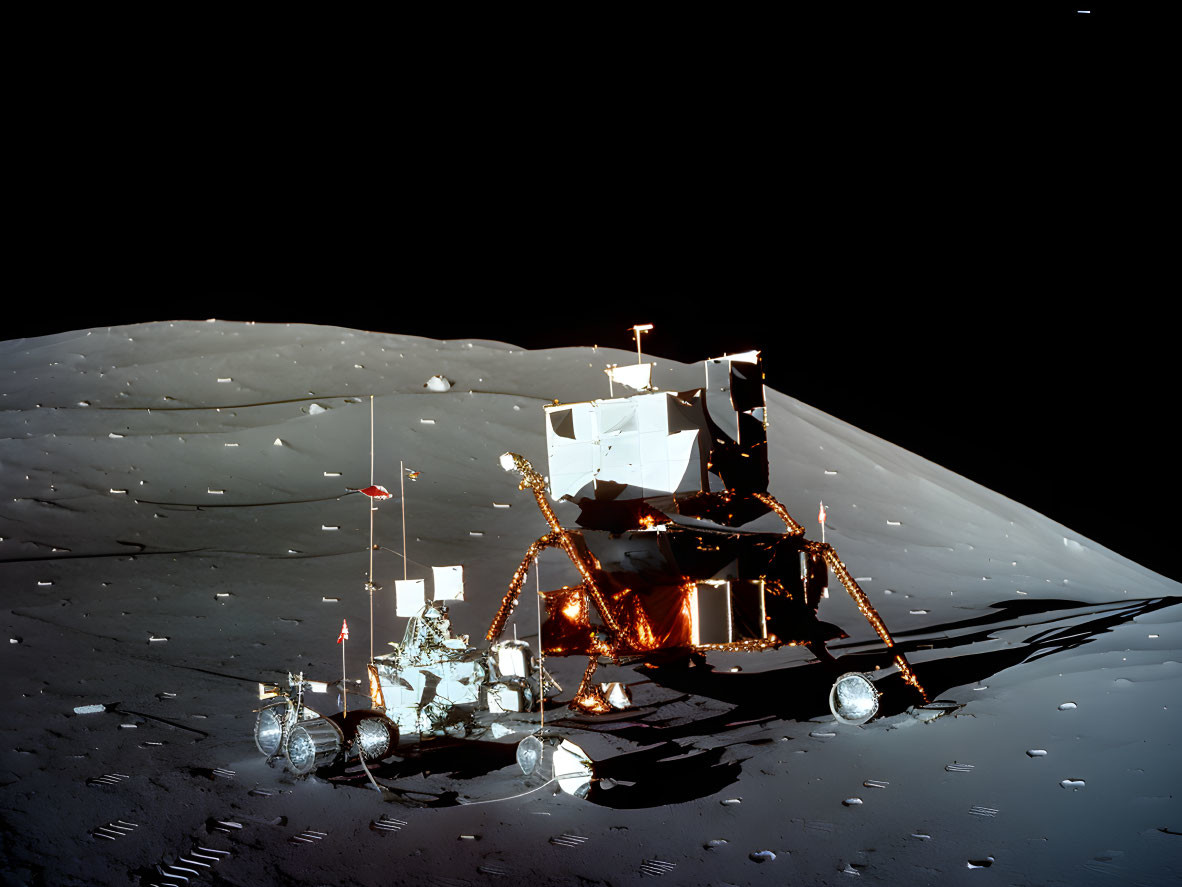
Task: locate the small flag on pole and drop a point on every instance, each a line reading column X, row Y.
column 344, row 631
column 821, row 513
column 374, row 492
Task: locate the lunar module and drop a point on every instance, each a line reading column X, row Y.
column 664, row 482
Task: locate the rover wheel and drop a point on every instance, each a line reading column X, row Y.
column 376, row 737
column 270, row 728
column 313, row 744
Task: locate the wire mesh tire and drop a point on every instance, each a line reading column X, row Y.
column 376, row 738
column 313, row 744
column 270, row 729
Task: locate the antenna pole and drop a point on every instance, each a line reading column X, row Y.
column 402, row 487
column 637, row 330
column 541, row 653
column 370, row 504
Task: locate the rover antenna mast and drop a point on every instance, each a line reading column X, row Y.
column 370, row 505
column 541, row 653
column 636, row 331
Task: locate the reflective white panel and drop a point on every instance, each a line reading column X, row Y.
column 410, row 595
column 638, row 375
column 449, row 583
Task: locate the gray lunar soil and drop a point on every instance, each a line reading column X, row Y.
column 175, row 528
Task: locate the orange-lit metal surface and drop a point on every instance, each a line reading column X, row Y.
column 656, row 619
column 589, row 697
column 509, row 601
column 567, row 629
column 376, row 699
column 794, row 529
column 755, row 645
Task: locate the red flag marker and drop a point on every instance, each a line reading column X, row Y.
column 374, row 492
column 821, row 513
column 344, row 631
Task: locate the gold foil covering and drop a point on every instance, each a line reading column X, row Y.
column 376, row 698
column 509, row 601
column 589, row 698
column 657, row 619
column 794, row 529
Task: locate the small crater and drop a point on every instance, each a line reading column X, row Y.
column 1073, row 784
column 852, row 802
column 761, row 856
column 1036, row 752
column 1067, row 706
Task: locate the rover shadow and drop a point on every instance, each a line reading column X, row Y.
column 454, row 759
column 665, row 774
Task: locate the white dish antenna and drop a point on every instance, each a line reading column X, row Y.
column 449, row 583
column 410, row 596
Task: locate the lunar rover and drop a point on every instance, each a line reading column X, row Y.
column 665, row 481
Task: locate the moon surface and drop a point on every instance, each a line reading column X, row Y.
column 176, row 527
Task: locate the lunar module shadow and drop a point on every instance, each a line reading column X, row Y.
column 797, row 693
column 674, row 770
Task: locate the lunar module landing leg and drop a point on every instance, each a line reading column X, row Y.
column 588, row 697
column 853, row 695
